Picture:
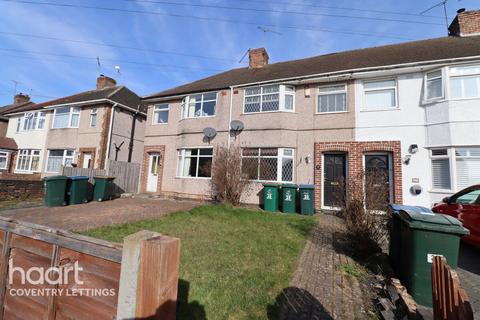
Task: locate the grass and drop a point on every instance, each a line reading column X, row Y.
column 234, row 261
column 20, row 203
column 351, row 269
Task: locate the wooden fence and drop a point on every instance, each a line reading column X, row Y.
column 450, row 301
column 136, row 280
column 127, row 175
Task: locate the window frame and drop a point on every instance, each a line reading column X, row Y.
column 93, row 112
column 186, row 102
column 5, row 154
column 383, row 108
column 181, row 162
column 280, row 156
column 425, row 82
column 451, row 172
column 71, row 112
column 22, row 121
column 64, row 157
column 282, row 93
column 30, row 155
column 317, row 105
column 451, row 76
column 167, row 109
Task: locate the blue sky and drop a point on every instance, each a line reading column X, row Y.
column 172, row 50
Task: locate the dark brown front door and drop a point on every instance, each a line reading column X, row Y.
column 333, row 176
column 377, row 181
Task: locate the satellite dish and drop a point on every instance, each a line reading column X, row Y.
column 236, row 125
column 209, row 132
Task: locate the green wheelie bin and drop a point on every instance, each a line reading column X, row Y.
column 289, row 198
column 103, row 189
column 55, row 191
column 77, row 189
column 423, row 236
column 270, row 197
column 307, row 199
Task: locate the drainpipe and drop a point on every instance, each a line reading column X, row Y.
column 230, row 117
column 107, row 154
column 132, row 134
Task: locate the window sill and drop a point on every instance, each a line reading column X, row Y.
column 160, row 124
column 194, row 178
column 196, row 118
column 65, row 128
column 25, row 172
column 441, row 191
column 274, row 111
column 381, row 109
column 333, row 112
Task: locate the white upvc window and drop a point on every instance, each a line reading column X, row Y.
column 58, row 158
column 380, row 94
column 465, row 81
column 93, row 117
column 441, row 177
column 4, row 159
column 434, row 85
column 195, row 162
column 31, row 121
column 199, row 105
column 269, row 98
column 160, row 113
column 28, row 160
column 67, row 117
column 268, row 164
column 332, row 99
column 467, row 166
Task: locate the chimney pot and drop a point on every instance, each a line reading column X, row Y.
column 21, row 98
column 461, row 10
column 105, row 82
column 257, row 58
column 466, row 23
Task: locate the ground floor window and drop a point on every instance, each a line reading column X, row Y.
column 4, row 159
column 196, row 162
column 468, row 166
column 58, row 158
column 28, row 160
column 268, row 164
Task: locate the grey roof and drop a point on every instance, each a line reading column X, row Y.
column 402, row 53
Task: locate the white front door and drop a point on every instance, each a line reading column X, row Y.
column 153, row 172
column 87, row 159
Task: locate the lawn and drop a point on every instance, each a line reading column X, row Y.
column 234, row 261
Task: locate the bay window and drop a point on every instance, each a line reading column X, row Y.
column 199, row 105
column 195, row 163
column 332, row 99
column 160, row 114
column 68, row 117
column 440, row 169
column 269, row 98
column 268, row 164
column 58, row 158
column 4, row 159
column 31, row 121
column 28, row 160
column 434, row 85
column 467, row 166
column 465, row 82
column 380, row 94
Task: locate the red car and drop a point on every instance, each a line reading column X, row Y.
column 465, row 206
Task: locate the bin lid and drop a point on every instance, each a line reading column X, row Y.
column 433, row 222
column 289, row 185
column 399, row 207
column 306, row 186
column 79, row 178
column 52, row 178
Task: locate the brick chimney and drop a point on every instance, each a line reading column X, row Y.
column 20, row 98
column 105, row 82
column 466, row 23
column 257, row 58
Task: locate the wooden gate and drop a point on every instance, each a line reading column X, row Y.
column 138, row 280
column 450, row 301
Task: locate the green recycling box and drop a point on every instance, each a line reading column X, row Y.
column 55, row 191
column 425, row 235
column 270, row 197
column 307, row 199
column 289, row 198
column 77, row 189
column 103, row 189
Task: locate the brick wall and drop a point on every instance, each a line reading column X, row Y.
column 355, row 152
column 145, row 166
column 20, row 189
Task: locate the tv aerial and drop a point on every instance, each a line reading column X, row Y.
column 441, row 3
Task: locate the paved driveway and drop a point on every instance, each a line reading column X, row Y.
column 82, row 217
column 469, row 272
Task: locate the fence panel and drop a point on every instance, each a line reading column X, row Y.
column 126, row 175
column 70, row 171
column 450, row 301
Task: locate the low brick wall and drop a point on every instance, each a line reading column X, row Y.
column 20, row 189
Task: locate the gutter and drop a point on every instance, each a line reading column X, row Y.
column 107, row 154
column 132, row 134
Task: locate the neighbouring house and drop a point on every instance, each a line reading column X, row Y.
column 85, row 129
column 409, row 110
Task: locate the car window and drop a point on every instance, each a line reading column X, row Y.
column 471, row 197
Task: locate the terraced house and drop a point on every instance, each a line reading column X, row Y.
column 85, row 130
column 409, row 110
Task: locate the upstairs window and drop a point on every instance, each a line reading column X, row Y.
column 380, row 94
column 434, row 85
column 68, row 117
column 269, row 98
column 199, row 105
column 31, row 121
column 93, row 117
column 440, row 169
column 160, row 114
column 465, row 82
column 58, row 158
column 28, row 160
column 268, row 164
column 332, row 99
